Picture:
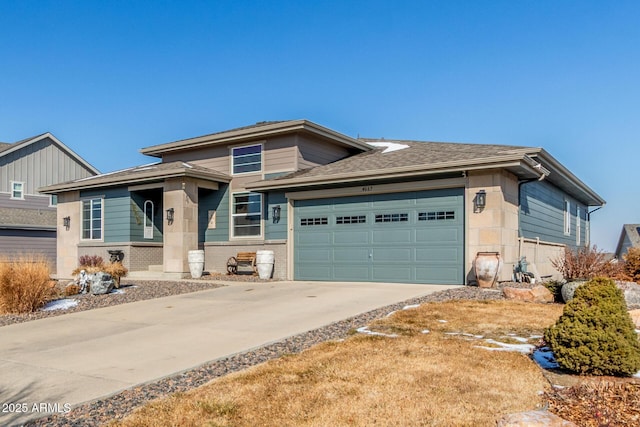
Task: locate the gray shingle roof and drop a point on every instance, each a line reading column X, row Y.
column 154, row 172
column 417, row 155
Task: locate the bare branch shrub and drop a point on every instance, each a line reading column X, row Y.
column 584, row 263
column 90, row 261
column 25, row 284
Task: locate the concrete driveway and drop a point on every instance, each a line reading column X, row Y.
column 79, row 357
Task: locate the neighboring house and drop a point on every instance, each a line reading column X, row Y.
column 629, row 238
column 28, row 218
column 331, row 207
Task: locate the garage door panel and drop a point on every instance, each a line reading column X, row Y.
column 315, row 238
column 443, row 235
column 391, row 273
column 392, row 236
column 352, row 273
column 399, row 255
column 351, row 237
column 440, row 255
column 351, row 255
column 315, row 255
column 419, row 238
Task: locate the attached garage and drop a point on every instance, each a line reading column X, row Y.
column 20, row 241
column 411, row 237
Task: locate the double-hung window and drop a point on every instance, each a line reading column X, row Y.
column 92, row 219
column 247, row 159
column 247, row 215
column 17, row 190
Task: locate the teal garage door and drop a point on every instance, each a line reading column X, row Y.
column 413, row 237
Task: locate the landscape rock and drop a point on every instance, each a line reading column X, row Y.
column 631, row 291
column 534, row 419
column 100, row 283
column 536, row 294
column 569, row 288
column 635, row 316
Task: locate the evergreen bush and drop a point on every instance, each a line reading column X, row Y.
column 632, row 264
column 595, row 334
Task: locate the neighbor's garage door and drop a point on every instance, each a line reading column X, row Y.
column 414, row 237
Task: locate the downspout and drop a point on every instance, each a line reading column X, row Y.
column 588, row 240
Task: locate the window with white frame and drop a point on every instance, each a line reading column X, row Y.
column 247, row 215
column 92, row 219
column 246, row 159
column 578, row 226
column 53, row 200
column 567, row 217
column 17, row 190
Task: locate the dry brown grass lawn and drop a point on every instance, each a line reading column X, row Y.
column 415, row 379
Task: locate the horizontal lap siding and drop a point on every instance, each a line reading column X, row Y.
column 314, row 153
column 16, row 242
column 542, row 214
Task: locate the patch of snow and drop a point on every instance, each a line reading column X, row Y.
column 389, row 146
column 365, row 330
column 60, row 304
column 442, row 321
column 117, row 291
column 388, row 315
column 187, row 165
column 408, row 307
column 425, row 331
column 521, row 348
column 516, row 338
column 545, row 358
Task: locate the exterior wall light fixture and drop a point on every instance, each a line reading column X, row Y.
column 480, row 200
column 170, row 212
column 276, row 214
column 66, row 222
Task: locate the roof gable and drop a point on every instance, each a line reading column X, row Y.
column 6, row 149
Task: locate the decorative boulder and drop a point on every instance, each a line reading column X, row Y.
column 533, row 418
column 535, row 294
column 635, row 316
column 101, row 283
column 569, row 288
column 631, row 291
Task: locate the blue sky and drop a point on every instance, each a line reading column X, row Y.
column 108, row 78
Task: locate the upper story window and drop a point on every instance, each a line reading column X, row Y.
column 17, row 190
column 92, row 219
column 53, row 200
column 246, row 159
column 247, row 215
column 567, row 217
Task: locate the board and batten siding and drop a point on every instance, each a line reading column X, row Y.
column 39, row 164
column 542, row 214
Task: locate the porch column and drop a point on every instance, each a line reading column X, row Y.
column 181, row 235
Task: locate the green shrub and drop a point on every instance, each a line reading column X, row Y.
column 595, row 334
column 25, row 284
column 555, row 287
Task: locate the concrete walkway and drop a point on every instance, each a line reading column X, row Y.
column 79, row 357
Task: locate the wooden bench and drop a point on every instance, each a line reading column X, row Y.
column 245, row 258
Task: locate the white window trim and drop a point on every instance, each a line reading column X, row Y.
column 101, row 239
column 12, row 190
column 234, row 215
column 578, row 226
column 51, row 204
column 147, row 226
column 231, row 159
column 567, row 217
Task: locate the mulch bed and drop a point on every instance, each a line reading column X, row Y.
column 590, row 402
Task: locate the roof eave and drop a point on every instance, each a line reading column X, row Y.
column 265, row 131
column 143, row 178
column 401, row 172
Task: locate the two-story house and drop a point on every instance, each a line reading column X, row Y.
column 330, row 206
column 27, row 217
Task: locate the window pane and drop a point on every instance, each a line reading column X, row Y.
column 247, row 159
column 247, row 214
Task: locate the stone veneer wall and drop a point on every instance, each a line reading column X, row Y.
column 495, row 228
column 217, row 254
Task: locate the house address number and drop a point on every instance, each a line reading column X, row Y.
column 367, row 188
